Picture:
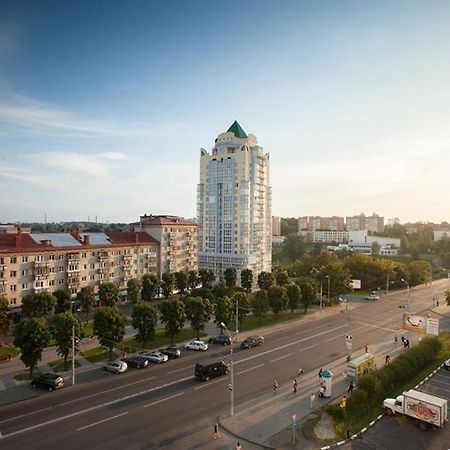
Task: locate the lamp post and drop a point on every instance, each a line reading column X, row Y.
column 320, row 298
column 329, row 279
column 409, row 295
column 231, row 385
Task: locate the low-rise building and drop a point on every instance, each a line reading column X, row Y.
column 440, row 234
column 325, row 236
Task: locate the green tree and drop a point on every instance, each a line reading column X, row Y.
column 282, row 277
column 265, row 280
column 247, row 279
column 206, row 277
column 144, row 319
column 62, row 325
column 38, row 304
column 293, row 296
column 109, row 327
column 419, row 272
column 308, row 294
column 241, row 300
column 63, row 300
column 4, row 318
column 277, row 298
column 295, row 246
column 181, row 281
column 198, row 313
column 339, row 278
column 230, row 276
column 193, row 279
column 173, row 316
column 149, row 286
column 375, row 248
column 109, row 294
column 223, row 310
column 87, row 299
column 260, row 304
column 31, row 336
column 133, row 290
column 288, row 225
column 167, row 284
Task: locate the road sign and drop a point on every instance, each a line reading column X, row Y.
column 230, row 387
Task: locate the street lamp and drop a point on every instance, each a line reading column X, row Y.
column 329, row 279
column 409, row 295
column 231, row 386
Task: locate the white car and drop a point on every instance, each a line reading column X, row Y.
column 155, row 357
column 372, row 296
column 116, row 366
column 447, row 364
column 197, row 345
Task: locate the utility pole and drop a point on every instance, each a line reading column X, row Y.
column 320, row 302
column 387, row 283
column 231, row 385
column 328, row 277
column 237, row 320
column 73, row 355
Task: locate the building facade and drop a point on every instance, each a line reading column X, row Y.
column 178, row 238
column 276, row 226
column 325, row 236
column 234, row 205
column 312, row 223
column 51, row 261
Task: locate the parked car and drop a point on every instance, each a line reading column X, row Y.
column 155, row 357
column 220, row 340
column 197, row 345
column 49, row 381
column 172, row 352
column 447, row 364
column 252, row 341
column 117, row 366
column 372, row 296
column 138, row 362
column 205, row 370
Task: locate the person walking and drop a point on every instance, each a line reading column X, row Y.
column 300, row 372
column 295, row 386
column 351, row 387
column 312, row 399
column 320, row 373
column 395, row 338
column 216, row 431
column 407, row 343
column 238, row 446
column 275, row 386
column 387, row 359
column 366, row 348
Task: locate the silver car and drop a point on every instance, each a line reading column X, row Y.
column 116, row 366
column 155, row 357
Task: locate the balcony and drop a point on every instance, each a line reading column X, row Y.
column 40, row 276
column 2, row 281
column 72, row 257
column 127, row 257
column 40, row 288
column 40, row 264
column 102, row 270
column 3, row 266
column 73, row 269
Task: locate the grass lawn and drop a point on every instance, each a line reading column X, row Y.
column 97, row 354
column 5, row 351
column 25, row 375
column 58, row 365
column 252, row 322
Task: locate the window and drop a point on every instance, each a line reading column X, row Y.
column 51, row 283
column 13, row 260
column 13, row 288
column 92, row 266
column 24, row 286
column 92, row 277
column 60, row 269
column 12, row 301
column 83, row 255
column 61, row 282
column 83, row 278
column 24, row 259
column 61, row 257
column 25, row 272
column 13, row 273
column 51, row 257
column 85, row 266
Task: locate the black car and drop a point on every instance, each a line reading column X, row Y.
column 135, row 361
column 221, row 340
column 172, row 352
column 205, row 370
column 49, row 381
column 252, row 341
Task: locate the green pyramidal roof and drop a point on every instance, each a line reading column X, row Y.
column 237, row 130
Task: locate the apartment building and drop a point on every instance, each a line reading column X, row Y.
column 49, row 261
column 276, row 226
column 312, row 223
column 234, row 205
column 373, row 223
column 178, row 238
column 325, row 236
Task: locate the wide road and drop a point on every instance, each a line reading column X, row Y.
column 163, row 406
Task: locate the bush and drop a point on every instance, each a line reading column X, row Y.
column 359, row 397
column 371, row 384
column 336, row 411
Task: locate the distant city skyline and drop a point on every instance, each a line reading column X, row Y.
column 350, row 99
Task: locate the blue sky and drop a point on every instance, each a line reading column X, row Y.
column 104, row 105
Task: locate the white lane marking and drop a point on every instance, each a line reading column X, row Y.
column 309, row 346
column 24, row 415
column 289, row 344
column 179, row 370
column 163, row 400
column 102, row 421
column 208, row 384
column 281, row 357
column 251, row 368
column 375, row 326
column 93, row 408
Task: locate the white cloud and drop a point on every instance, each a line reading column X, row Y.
column 114, row 156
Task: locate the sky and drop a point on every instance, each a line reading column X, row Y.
column 104, row 105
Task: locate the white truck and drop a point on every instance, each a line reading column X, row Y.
column 427, row 408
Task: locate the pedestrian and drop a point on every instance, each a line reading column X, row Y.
column 312, row 400
column 238, row 446
column 320, row 373
column 275, row 386
column 437, row 302
column 216, row 431
column 351, row 387
column 407, row 343
column 366, row 348
column 388, row 359
column 322, row 392
column 300, row 372
column 403, row 339
column 434, row 302
column 395, row 338
column 295, row 386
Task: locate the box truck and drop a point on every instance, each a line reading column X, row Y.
column 427, row 408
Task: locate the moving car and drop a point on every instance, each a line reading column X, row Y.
column 117, row 366
column 172, row 352
column 155, row 357
column 49, row 381
column 252, row 341
column 372, row 296
column 197, row 345
column 205, row 370
column 138, row 362
column 221, row 340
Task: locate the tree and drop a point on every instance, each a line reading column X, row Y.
column 63, row 300
column 167, row 284
column 241, row 300
column 247, row 279
column 265, row 280
column 109, row 294
column 223, row 310
column 193, row 279
column 375, row 248
column 294, row 296
column 133, row 290
column 87, row 299
column 307, row 294
column 282, row 277
column 419, row 272
column 276, row 296
column 447, row 297
column 181, row 281
column 339, row 278
column 4, row 318
column 109, row 327
column 144, row 319
column 206, row 277
column 295, row 246
column 173, row 316
column 31, row 336
column 230, row 276
column 149, row 286
column 198, row 313
column 260, row 304
column 38, row 304
column 62, row 325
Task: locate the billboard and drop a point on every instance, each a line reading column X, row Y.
column 433, row 326
column 415, row 323
column 356, row 284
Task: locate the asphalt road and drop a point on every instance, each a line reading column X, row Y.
column 163, row 406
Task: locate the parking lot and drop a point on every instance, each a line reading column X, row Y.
column 398, row 432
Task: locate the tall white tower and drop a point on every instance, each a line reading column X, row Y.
column 234, row 205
